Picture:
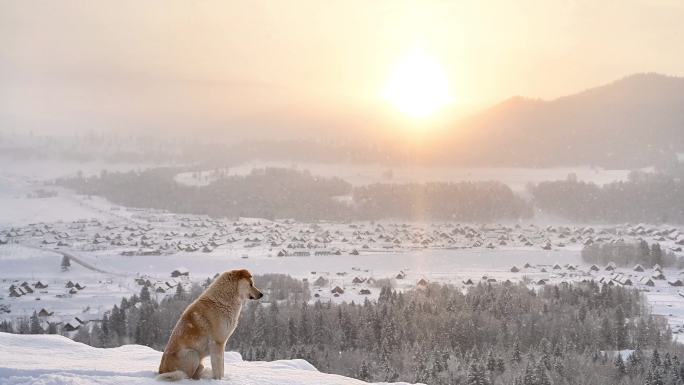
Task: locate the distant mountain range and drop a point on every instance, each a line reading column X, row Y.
column 633, row 122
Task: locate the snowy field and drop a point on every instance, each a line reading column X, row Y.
column 26, row 196
column 364, row 174
column 23, row 361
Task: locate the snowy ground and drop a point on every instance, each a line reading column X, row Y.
column 22, row 182
column 51, row 359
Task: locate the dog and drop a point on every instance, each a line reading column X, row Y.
column 205, row 326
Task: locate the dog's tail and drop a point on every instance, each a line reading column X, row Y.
column 172, row 376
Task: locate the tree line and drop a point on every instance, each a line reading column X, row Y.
column 630, row 254
column 644, row 197
column 286, row 193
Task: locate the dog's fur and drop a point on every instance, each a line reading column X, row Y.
column 205, row 326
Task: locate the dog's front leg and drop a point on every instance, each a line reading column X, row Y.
column 216, row 352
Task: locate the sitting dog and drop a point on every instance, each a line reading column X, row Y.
column 205, row 326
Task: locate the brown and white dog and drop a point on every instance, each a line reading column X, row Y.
column 205, row 326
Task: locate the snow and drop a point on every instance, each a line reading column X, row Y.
column 51, row 359
column 21, row 179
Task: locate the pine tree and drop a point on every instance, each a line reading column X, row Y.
column 500, row 365
column 655, row 359
column 145, row 294
column 644, row 253
column 606, row 332
column 476, row 375
column 66, row 263
column 540, row 374
column 619, row 365
column 364, row 372
column 35, row 327
column 529, row 378
column 491, row 362
column 656, row 254
column 304, row 329
column 180, row 293
column 292, row 336
column 516, row 356
column 620, row 328
column 634, row 362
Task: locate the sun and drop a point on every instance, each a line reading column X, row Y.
column 418, row 86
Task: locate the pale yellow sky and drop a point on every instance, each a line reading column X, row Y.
column 305, row 65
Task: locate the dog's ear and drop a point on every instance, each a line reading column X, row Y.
column 243, row 273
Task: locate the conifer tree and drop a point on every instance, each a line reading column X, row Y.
column 66, row 263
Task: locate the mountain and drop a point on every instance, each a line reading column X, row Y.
column 633, row 122
column 53, row 359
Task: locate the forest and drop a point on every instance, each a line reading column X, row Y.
column 491, row 334
column 275, row 193
column 629, row 254
column 644, row 197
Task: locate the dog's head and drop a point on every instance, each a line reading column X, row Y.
column 245, row 284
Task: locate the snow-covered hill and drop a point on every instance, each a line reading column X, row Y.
column 51, row 359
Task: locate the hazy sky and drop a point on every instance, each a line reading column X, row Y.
column 266, row 66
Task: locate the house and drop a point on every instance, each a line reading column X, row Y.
column 541, row 282
column 647, row 281
column 27, row 289
column 422, row 282
column 44, row 313
column 72, row 325
column 14, row 292
column 556, row 267
column 40, row 285
column 468, row 282
column 527, row 265
column 79, row 286
column 364, row 292
column 514, row 269
column 69, row 285
column 638, row 267
column 610, row 267
column 657, row 267
column 337, row 290
column 181, row 271
column 358, row 280
column 658, row 275
column 320, row 281
column 401, row 275
column 676, row 282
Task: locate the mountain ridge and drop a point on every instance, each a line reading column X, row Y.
column 635, row 121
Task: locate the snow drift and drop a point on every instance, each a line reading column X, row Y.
column 52, row 359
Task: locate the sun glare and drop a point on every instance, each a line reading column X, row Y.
column 418, row 86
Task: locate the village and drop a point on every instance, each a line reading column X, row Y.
column 70, row 272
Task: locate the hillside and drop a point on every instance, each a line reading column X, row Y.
column 51, row 359
column 634, row 122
